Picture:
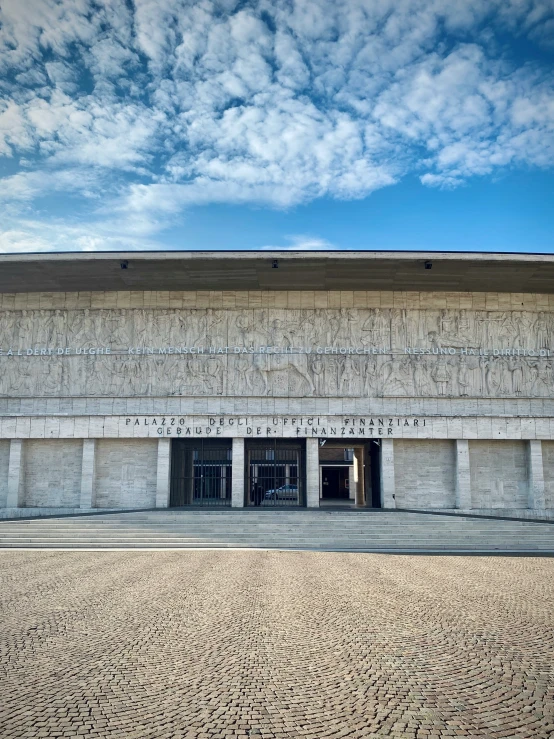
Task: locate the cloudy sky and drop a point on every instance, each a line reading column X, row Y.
column 224, row 124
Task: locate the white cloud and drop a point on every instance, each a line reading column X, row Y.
column 60, row 235
column 303, row 242
column 151, row 109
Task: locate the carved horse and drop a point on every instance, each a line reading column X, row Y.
column 267, row 366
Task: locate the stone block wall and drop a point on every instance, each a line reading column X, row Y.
column 126, row 471
column 548, row 470
column 52, row 472
column 425, row 473
column 499, row 474
column 4, row 462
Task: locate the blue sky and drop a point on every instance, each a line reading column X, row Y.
column 289, row 124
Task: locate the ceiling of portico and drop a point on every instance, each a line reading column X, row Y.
column 162, row 271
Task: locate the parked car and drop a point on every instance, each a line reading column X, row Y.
column 285, row 492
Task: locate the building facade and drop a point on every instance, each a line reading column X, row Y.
column 212, row 393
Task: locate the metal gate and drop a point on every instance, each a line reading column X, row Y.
column 201, row 472
column 275, row 475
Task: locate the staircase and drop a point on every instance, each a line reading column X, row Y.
column 353, row 531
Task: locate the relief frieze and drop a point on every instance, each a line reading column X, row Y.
column 277, row 352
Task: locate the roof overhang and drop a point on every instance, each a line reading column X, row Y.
column 254, row 270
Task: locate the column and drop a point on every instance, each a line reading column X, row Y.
column 88, row 473
column 237, row 474
column 360, row 481
column 387, row 474
column 312, row 473
column 463, row 478
column 536, row 476
column 14, row 498
column 352, row 479
column 163, row 473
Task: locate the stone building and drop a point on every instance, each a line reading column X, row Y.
column 383, row 380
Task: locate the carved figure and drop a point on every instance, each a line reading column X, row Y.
column 446, row 324
column 266, row 366
column 516, row 369
column 24, row 326
column 213, row 333
column 369, row 373
column 506, row 331
column 541, row 331
column 465, row 334
column 488, row 378
column 543, row 378
column 376, row 329
column 502, row 372
column 58, row 329
column 434, row 340
column 441, row 375
column 213, row 376
column 397, row 378
column 398, row 329
column 317, row 367
column 332, row 326
column 422, row 383
column 522, row 324
column 50, row 376
column 245, row 327
column 347, row 377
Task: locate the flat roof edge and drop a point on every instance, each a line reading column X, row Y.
column 297, row 255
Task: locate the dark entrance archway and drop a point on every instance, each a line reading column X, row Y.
column 275, row 473
column 335, row 483
column 201, row 472
column 350, row 472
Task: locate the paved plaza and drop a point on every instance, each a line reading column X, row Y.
column 208, row 644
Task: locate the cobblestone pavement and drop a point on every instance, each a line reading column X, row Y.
column 275, row 644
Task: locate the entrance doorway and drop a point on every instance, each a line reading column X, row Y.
column 335, row 483
column 201, row 472
column 350, row 473
column 274, row 473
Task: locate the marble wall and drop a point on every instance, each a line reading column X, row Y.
column 425, row 473
column 52, row 472
column 548, row 472
column 4, row 464
column 125, row 473
column 499, row 474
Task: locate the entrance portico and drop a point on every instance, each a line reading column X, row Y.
column 283, row 472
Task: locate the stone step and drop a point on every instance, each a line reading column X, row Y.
column 308, row 546
column 268, row 530
column 310, row 530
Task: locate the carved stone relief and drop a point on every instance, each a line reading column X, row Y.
column 470, row 353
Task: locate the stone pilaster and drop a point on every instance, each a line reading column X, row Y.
column 163, row 473
column 237, row 474
column 14, row 498
column 352, row 483
column 536, row 476
column 88, row 475
column 360, row 481
column 387, row 474
column 312, row 473
column 463, row 478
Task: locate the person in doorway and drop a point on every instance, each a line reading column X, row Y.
column 257, row 494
